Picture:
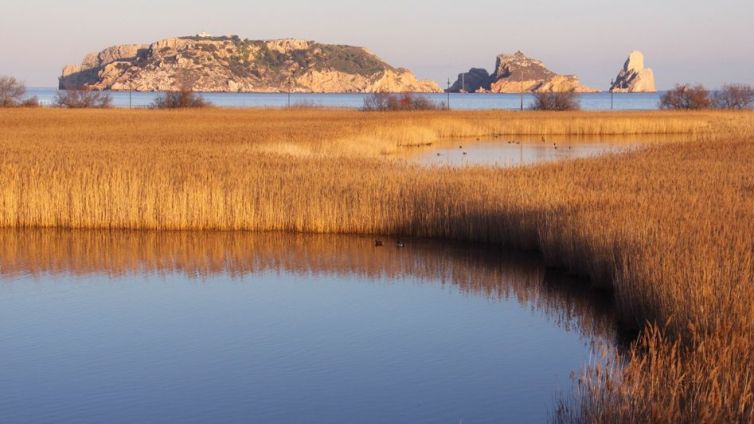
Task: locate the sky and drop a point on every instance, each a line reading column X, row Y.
column 697, row 41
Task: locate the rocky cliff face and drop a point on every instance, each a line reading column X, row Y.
column 477, row 79
column 634, row 77
column 515, row 73
column 230, row 64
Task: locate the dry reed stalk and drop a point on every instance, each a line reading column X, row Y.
column 669, row 229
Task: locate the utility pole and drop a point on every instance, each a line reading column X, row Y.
column 448, row 93
column 289, row 91
column 521, row 89
column 612, row 83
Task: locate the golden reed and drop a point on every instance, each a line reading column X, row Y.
column 669, row 228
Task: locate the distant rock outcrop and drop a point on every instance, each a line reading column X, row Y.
column 634, row 77
column 517, row 73
column 477, row 79
column 230, row 64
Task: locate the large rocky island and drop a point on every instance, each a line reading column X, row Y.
column 516, row 73
column 232, row 64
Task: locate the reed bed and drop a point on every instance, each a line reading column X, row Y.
column 668, row 229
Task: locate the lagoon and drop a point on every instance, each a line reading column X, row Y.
column 273, row 327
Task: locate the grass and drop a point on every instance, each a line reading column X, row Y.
column 669, row 229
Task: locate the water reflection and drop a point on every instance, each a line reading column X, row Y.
column 527, row 150
column 471, row 269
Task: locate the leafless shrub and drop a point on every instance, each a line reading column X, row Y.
column 556, row 100
column 734, row 96
column 12, row 92
column 184, row 97
column 306, row 104
column 80, row 98
column 32, row 101
column 686, row 96
column 383, row 102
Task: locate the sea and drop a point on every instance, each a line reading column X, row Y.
column 457, row 101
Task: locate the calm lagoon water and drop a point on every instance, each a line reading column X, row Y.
column 591, row 101
column 235, row 327
column 520, row 150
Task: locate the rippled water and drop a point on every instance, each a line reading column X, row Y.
column 238, row 327
column 589, row 101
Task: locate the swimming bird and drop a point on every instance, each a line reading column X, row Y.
column 464, row 153
column 378, row 243
column 543, row 139
column 400, row 244
column 460, row 147
column 438, row 154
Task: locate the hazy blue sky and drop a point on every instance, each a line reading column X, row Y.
column 707, row 41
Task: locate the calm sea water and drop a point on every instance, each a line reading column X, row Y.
column 591, row 101
column 236, row 327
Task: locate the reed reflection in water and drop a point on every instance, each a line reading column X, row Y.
column 79, row 262
column 473, row 269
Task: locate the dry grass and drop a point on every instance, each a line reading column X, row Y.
column 669, row 229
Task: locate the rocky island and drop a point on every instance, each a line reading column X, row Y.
column 634, row 77
column 232, row 64
column 516, row 73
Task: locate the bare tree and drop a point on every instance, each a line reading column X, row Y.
column 734, row 96
column 382, row 102
column 685, row 96
column 12, row 92
column 556, row 100
column 376, row 102
column 82, row 97
column 184, row 97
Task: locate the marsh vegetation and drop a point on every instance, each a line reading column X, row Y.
column 667, row 229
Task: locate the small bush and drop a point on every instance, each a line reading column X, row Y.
column 383, row 102
column 179, row 100
column 556, row 100
column 32, row 101
column 12, row 92
column 184, row 97
column 686, row 97
column 734, row 96
column 81, row 98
